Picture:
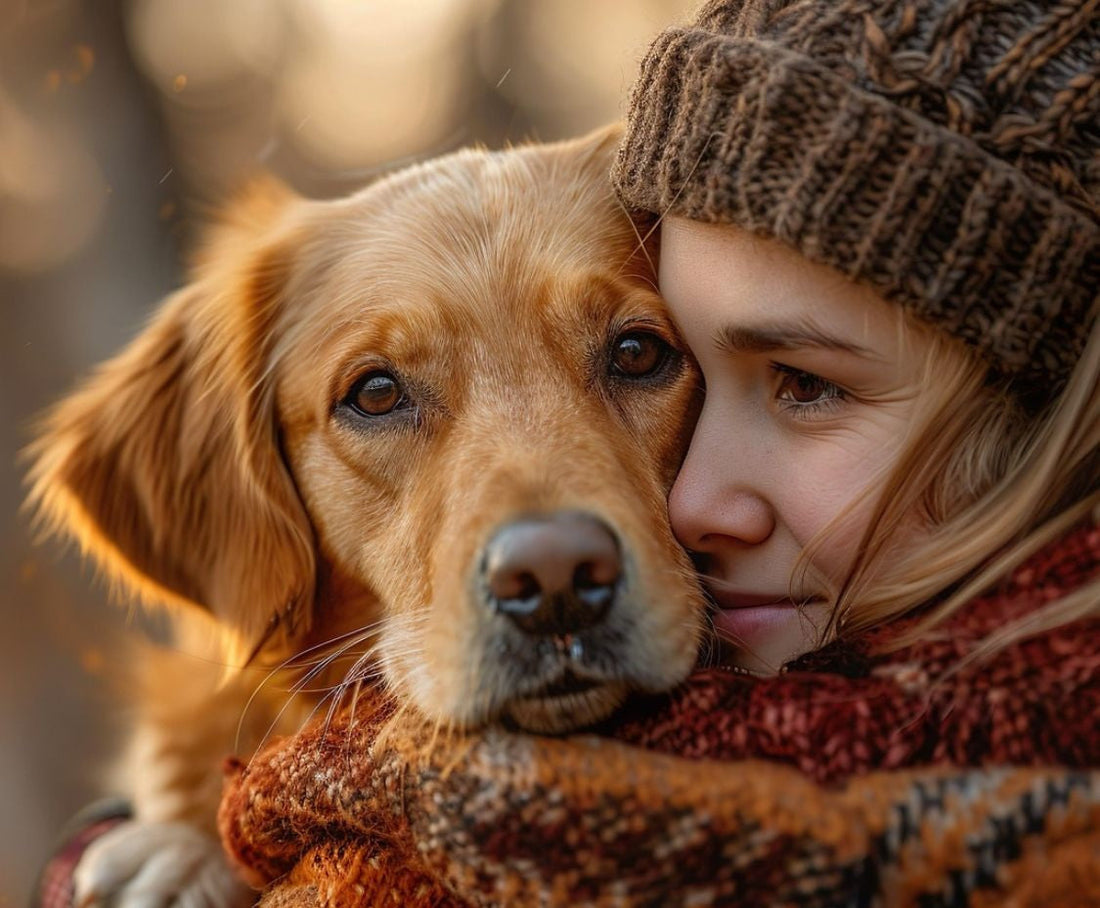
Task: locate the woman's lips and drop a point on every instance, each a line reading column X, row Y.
column 748, row 627
column 752, row 619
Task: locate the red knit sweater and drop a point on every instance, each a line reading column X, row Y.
column 853, row 707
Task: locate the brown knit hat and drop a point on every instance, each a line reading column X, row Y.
column 946, row 152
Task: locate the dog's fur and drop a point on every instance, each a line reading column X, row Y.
column 215, row 464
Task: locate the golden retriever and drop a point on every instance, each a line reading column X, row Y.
column 424, row 432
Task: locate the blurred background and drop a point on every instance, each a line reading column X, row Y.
column 121, row 123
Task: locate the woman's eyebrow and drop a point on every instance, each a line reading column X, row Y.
column 766, row 338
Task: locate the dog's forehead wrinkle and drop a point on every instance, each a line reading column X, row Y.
column 481, row 249
column 470, row 201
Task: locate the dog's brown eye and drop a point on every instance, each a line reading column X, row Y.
column 376, row 394
column 639, row 354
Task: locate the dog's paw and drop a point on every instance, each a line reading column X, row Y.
column 157, row 865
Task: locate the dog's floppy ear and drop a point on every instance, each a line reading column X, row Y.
column 166, row 467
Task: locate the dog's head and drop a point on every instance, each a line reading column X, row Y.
column 442, row 414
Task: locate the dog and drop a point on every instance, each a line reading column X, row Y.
column 428, row 430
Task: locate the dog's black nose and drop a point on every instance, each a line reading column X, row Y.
column 554, row 574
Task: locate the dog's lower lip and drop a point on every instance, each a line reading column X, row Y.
column 544, row 713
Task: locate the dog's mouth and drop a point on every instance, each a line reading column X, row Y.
column 566, row 702
column 566, row 684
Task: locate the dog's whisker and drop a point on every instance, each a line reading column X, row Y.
column 351, row 640
column 354, row 636
column 358, row 633
column 364, row 668
column 356, row 689
column 299, row 686
column 313, row 714
column 256, row 691
column 336, row 697
column 322, row 689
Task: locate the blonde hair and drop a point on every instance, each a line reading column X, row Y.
column 990, row 484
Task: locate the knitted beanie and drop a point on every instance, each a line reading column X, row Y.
column 945, row 152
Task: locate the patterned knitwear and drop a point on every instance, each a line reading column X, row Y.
column 858, row 777
column 945, row 152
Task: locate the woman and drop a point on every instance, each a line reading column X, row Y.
column 857, row 458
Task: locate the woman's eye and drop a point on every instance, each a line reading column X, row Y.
column 804, row 389
column 639, row 354
column 376, row 394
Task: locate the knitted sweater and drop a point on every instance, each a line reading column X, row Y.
column 851, row 779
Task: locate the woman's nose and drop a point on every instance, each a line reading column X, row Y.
column 714, row 503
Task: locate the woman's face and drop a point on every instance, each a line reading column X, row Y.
column 811, row 384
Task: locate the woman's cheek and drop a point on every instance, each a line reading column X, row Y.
column 830, row 508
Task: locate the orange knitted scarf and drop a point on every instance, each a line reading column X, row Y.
column 852, row 779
